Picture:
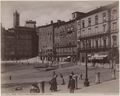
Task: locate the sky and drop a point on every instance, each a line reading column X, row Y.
column 44, row 11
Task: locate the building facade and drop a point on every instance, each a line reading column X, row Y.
column 65, row 40
column 114, row 35
column 45, row 34
column 94, row 33
column 26, row 42
column 7, row 44
column 19, row 42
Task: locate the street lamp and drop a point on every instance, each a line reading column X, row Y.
column 78, row 50
column 86, row 82
column 113, row 51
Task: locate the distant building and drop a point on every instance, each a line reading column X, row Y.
column 65, row 40
column 59, row 39
column 20, row 42
column 77, row 15
column 45, row 34
column 7, row 44
column 114, row 30
column 30, row 24
column 97, row 32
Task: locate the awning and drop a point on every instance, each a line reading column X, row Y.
column 96, row 56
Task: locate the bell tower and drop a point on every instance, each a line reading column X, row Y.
column 16, row 20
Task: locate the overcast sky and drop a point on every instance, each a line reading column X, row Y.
column 44, row 12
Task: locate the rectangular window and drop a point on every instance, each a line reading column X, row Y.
column 114, row 25
column 114, row 14
column 114, row 11
column 83, row 24
column 83, row 45
column 104, row 27
column 104, row 17
column 89, row 21
column 96, row 43
column 104, row 42
column 96, row 19
column 78, row 22
column 89, row 43
column 96, row 29
column 114, row 39
column 89, row 29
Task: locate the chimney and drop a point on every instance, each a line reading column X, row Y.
column 51, row 21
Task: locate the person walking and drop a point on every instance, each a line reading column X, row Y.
column 51, row 85
column 10, row 77
column 81, row 76
column 76, row 81
column 55, row 82
column 54, row 73
column 63, row 81
column 72, row 73
column 71, row 84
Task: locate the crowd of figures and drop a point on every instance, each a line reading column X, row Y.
column 72, row 83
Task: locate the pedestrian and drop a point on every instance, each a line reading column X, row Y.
column 70, row 77
column 76, row 81
column 55, row 82
column 72, row 73
column 113, row 74
column 51, row 85
column 35, row 88
column 71, row 84
column 10, row 77
column 81, row 76
column 63, row 81
column 97, row 78
column 43, row 86
column 54, row 73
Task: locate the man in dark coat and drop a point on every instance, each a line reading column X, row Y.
column 71, row 84
column 53, row 84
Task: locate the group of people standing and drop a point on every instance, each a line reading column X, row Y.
column 72, row 83
column 53, row 82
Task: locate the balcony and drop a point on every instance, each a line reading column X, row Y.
column 93, row 34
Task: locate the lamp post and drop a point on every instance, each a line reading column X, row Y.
column 78, row 51
column 86, row 82
column 114, row 51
